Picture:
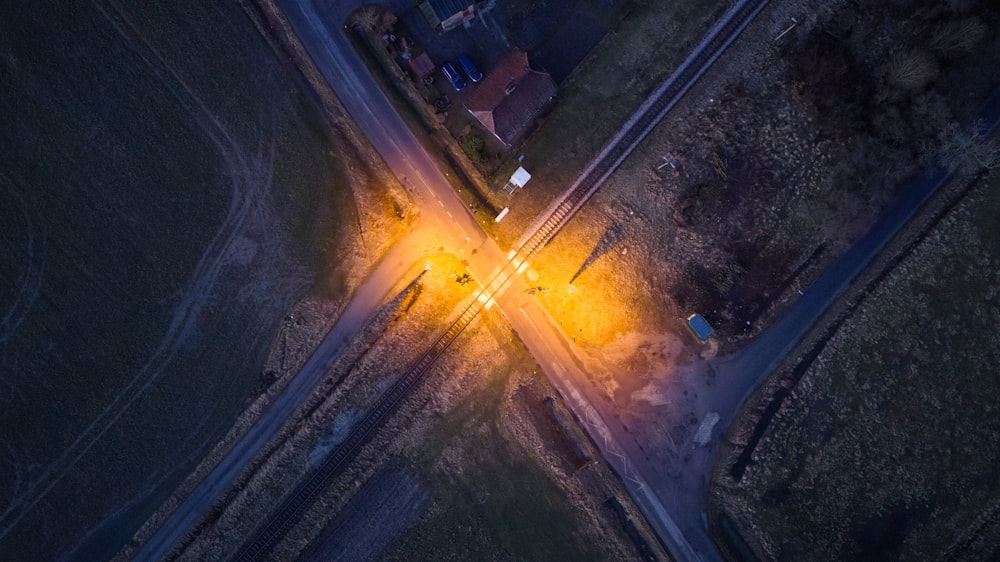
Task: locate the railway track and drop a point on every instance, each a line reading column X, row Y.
column 302, row 497
column 638, row 127
column 610, row 157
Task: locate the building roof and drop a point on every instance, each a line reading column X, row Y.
column 444, row 9
column 520, row 177
column 700, row 326
column 511, row 97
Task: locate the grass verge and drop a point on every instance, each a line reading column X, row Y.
column 491, row 496
column 600, row 95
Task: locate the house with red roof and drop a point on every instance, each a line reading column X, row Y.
column 511, row 97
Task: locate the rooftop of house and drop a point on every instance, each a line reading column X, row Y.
column 511, row 96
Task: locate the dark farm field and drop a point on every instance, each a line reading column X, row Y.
column 885, row 448
column 164, row 178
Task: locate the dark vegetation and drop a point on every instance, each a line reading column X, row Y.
column 166, row 182
column 794, row 160
column 492, row 498
column 770, row 167
column 870, row 446
column 645, row 551
column 508, row 469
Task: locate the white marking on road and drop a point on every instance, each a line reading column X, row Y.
column 440, row 203
column 637, row 482
column 449, row 214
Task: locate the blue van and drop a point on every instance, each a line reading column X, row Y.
column 454, row 77
column 470, row 68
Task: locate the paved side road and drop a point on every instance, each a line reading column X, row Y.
column 737, row 375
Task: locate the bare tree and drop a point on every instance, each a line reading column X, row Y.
column 957, row 36
column 911, row 71
column 968, row 149
column 367, row 18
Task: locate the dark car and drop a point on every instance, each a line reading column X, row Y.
column 454, row 77
column 470, row 68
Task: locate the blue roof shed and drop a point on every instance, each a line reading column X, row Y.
column 700, row 326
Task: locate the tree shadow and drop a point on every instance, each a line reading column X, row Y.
column 613, row 235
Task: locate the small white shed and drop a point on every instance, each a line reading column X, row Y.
column 518, row 179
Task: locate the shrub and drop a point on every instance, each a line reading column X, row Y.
column 367, row 18
column 911, row 71
column 474, row 146
column 966, row 149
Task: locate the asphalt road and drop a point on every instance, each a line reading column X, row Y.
column 445, row 222
column 319, row 27
column 737, row 375
column 673, row 500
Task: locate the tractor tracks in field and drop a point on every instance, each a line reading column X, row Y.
column 30, row 279
column 250, row 179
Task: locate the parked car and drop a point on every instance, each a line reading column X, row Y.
column 470, row 68
column 453, row 76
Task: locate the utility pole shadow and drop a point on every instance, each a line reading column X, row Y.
column 613, row 235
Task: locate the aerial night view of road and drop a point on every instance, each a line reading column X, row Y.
column 503, row 279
